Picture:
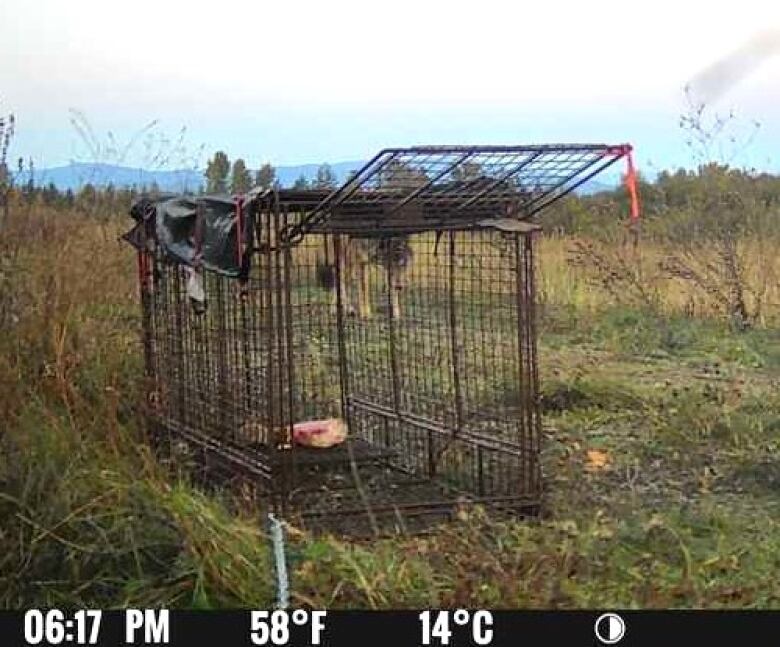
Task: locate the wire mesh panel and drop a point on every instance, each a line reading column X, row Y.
column 423, row 344
column 443, row 372
column 451, row 187
column 207, row 371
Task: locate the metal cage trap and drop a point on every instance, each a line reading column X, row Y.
column 364, row 357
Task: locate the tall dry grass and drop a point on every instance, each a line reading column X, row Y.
column 612, row 272
column 88, row 514
column 562, row 282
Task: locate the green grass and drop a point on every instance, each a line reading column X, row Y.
column 686, row 512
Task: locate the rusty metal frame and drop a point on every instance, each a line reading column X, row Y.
column 440, row 397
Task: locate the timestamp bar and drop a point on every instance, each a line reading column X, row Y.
column 413, row 628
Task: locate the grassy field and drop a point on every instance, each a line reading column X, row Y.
column 662, row 428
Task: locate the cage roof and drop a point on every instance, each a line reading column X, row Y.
column 442, row 187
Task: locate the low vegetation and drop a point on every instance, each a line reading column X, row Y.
column 662, row 425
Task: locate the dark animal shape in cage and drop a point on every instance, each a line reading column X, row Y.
column 398, row 309
column 392, row 254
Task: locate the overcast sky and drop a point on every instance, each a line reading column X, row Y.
column 298, row 81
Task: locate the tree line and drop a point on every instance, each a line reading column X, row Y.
column 222, row 176
column 713, row 201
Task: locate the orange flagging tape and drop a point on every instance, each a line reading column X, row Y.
column 631, row 185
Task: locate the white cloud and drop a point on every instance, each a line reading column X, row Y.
column 131, row 61
column 349, row 50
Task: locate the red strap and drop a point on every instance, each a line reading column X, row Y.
column 143, row 269
column 240, row 230
column 199, row 225
column 631, row 185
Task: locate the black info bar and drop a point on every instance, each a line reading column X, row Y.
column 422, row 627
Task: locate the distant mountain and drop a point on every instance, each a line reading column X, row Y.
column 592, row 187
column 76, row 175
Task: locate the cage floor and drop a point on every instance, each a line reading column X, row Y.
column 362, row 497
column 354, row 449
column 373, row 498
column 377, row 498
